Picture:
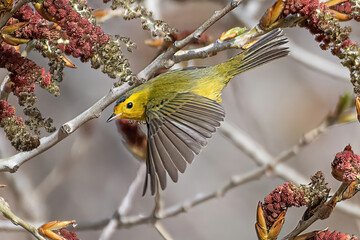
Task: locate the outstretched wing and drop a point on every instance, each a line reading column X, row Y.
column 178, row 128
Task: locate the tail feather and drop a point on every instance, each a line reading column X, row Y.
column 273, row 54
column 266, row 49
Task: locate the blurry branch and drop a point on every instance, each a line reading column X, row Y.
column 64, row 168
column 130, row 221
column 263, row 158
column 4, row 93
column 257, row 152
column 120, row 221
column 12, row 163
column 21, row 186
column 162, row 231
column 158, row 210
column 317, row 63
column 6, row 211
column 155, row 7
column 159, row 204
column 31, row 205
column 125, row 205
column 300, row 54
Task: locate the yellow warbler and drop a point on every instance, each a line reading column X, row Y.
column 181, row 107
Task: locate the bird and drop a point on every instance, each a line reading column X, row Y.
column 182, row 108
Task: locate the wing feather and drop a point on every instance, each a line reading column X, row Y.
column 175, row 155
column 178, row 128
column 196, row 122
column 157, row 162
column 181, row 134
column 165, row 159
column 209, row 122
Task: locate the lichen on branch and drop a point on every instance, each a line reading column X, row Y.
column 135, row 10
column 54, row 28
column 15, row 129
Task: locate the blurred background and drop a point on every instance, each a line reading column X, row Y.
column 274, row 104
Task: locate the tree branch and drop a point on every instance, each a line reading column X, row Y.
column 165, row 59
column 125, row 205
column 300, row 54
column 162, row 231
column 8, row 15
column 6, row 211
column 262, row 157
column 172, row 211
column 11, row 164
column 327, row 208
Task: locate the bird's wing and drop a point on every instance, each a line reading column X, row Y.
column 178, row 128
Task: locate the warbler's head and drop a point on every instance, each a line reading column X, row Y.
column 130, row 107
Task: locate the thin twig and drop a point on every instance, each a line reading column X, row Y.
column 262, row 157
column 157, row 211
column 11, row 164
column 21, row 186
column 4, row 91
column 62, row 169
column 184, row 207
column 6, row 211
column 162, row 231
column 300, row 54
column 33, row 208
column 125, row 206
column 235, row 181
column 165, row 59
column 155, row 7
column 159, row 203
column 217, row 46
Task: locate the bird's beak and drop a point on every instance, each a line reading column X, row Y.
column 112, row 117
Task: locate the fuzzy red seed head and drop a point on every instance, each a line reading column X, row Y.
column 346, row 165
column 280, row 199
column 66, row 234
column 333, row 235
column 6, row 110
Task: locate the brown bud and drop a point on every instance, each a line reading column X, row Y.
column 277, row 226
column 351, row 190
column 40, row 9
column 358, row 107
column 272, row 14
column 101, row 13
column 48, row 229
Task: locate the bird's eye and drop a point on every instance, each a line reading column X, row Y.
column 129, row 105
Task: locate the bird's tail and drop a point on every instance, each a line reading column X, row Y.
column 266, row 49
